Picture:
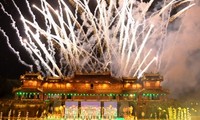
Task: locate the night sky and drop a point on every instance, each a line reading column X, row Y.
column 182, row 74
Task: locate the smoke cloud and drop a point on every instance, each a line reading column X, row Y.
column 181, row 57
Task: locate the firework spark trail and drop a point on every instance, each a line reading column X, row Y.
column 55, row 38
column 125, row 40
column 105, row 24
column 40, row 58
column 139, row 67
column 116, row 36
column 32, row 43
column 65, row 36
column 37, row 39
column 20, row 38
column 147, row 66
column 48, row 29
column 34, row 49
column 60, row 41
column 21, row 41
column 131, row 46
column 98, row 32
column 180, row 12
column 140, row 50
column 60, row 32
column 65, row 40
column 70, row 28
column 14, row 51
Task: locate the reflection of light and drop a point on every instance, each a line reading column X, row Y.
column 87, row 84
column 134, row 86
column 157, row 83
column 45, row 85
column 31, row 83
column 138, row 86
column 68, row 85
column 105, row 86
column 127, row 85
column 50, row 85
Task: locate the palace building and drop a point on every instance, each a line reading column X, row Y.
column 100, row 88
column 84, row 87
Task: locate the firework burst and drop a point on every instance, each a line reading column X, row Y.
column 125, row 37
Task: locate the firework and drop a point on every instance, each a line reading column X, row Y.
column 123, row 37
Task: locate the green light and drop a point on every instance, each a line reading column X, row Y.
column 49, row 94
column 119, row 119
column 111, row 94
column 134, row 95
column 143, row 94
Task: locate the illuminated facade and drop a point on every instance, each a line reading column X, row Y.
column 91, row 87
